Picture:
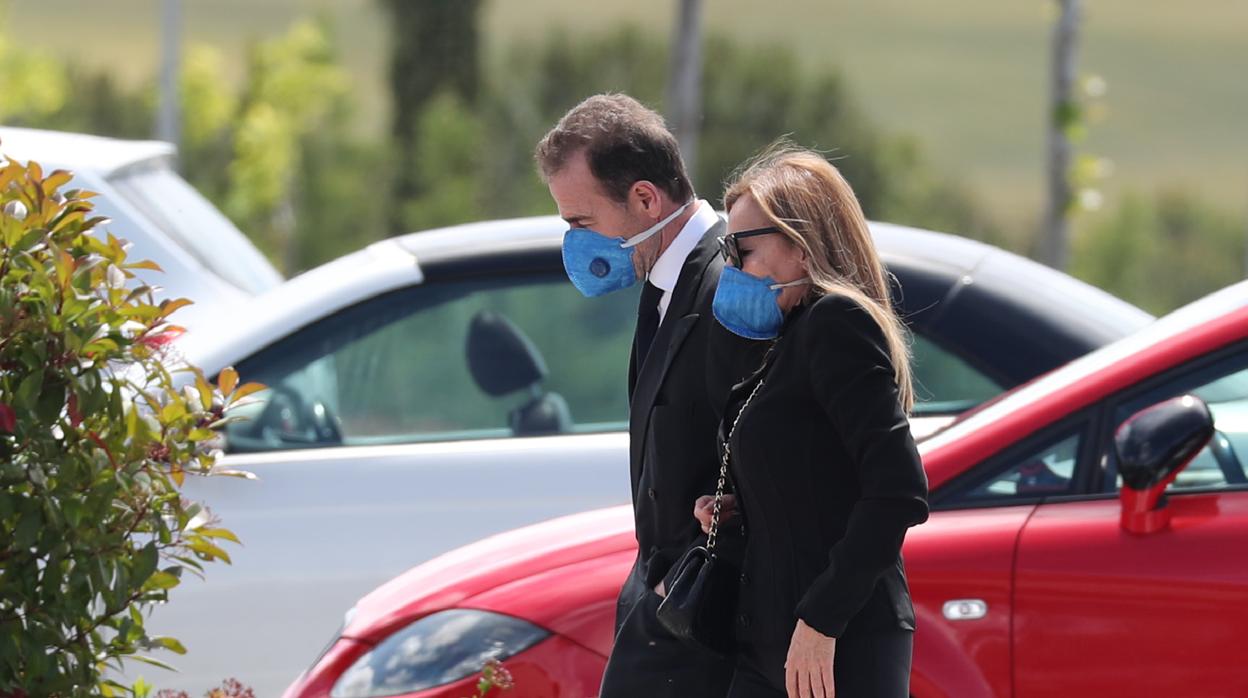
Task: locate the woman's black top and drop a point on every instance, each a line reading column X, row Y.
column 828, row 479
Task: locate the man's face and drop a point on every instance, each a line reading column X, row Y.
column 583, row 204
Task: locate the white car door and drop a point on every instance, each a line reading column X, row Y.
column 378, row 447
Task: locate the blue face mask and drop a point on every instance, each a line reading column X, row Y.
column 749, row 306
column 598, row 265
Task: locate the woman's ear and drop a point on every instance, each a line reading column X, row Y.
column 801, row 254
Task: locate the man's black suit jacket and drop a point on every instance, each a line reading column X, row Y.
column 676, row 395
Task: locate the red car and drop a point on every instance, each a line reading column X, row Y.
column 1089, row 537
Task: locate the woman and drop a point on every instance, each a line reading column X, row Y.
column 826, row 474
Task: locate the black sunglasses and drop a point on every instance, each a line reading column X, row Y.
column 730, row 248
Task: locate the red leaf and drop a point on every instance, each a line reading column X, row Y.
column 75, row 417
column 8, row 419
column 164, row 337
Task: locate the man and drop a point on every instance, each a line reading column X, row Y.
column 616, row 175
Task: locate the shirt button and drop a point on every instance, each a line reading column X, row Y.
column 652, row 493
column 744, row 620
column 744, row 580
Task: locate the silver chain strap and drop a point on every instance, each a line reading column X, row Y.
column 723, row 472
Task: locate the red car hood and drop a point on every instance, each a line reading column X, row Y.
column 515, row 573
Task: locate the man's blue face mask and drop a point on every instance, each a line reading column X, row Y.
column 749, row 306
column 597, row 264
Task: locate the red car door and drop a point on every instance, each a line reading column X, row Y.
column 1100, row 611
column 959, row 566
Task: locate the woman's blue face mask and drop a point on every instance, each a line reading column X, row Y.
column 597, row 264
column 749, row 306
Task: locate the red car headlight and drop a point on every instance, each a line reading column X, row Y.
column 436, row 650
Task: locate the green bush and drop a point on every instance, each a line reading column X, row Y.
column 96, row 438
column 1160, row 252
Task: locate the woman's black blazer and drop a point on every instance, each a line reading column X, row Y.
column 828, row 479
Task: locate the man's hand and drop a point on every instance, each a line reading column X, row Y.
column 704, row 509
column 808, row 668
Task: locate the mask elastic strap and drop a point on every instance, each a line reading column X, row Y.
column 799, row 282
column 649, row 232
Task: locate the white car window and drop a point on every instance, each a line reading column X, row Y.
column 397, row 368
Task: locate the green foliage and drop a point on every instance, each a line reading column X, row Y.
column 1161, row 252
column 207, row 103
column 433, row 51
column 97, row 435
column 295, row 88
column 448, row 173
column 32, row 85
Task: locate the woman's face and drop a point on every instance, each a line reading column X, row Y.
column 771, row 255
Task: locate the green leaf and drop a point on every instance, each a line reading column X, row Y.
column 191, row 562
column 205, row 391
column 29, row 526
column 222, row 533
column 204, row 547
column 152, row 662
column 161, row 580
column 141, row 312
column 29, row 389
column 242, row 474
column 145, row 562
column 173, row 411
column 51, row 401
column 170, row 644
column 132, row 422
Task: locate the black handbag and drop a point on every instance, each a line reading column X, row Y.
column 701, row 598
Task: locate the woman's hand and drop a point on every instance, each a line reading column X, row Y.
column 808, row 668
column 704, row 509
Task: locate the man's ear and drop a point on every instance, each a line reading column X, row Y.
column 646, row 197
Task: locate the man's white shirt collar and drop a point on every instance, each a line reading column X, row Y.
column 666, row 270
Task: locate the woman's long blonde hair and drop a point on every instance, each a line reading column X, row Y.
column 806, row 197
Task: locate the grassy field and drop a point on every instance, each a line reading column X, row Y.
column 967, row 78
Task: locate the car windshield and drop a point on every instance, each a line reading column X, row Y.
column 195, row 225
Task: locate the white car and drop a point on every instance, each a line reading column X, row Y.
column 436, row 388
column 204, row 256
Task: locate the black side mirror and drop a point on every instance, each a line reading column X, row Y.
column 1153, row 446
column 501, row 359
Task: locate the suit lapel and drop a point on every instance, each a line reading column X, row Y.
column 682, row 314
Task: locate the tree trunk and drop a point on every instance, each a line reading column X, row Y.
column 1063, row 112
column 684, row 89
column 434, row 47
